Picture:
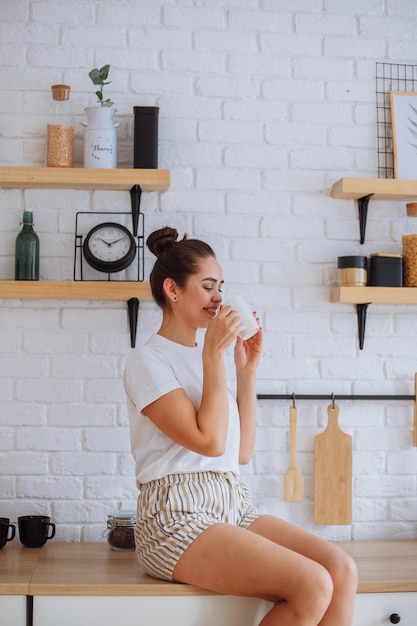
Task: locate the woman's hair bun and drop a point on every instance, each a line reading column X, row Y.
column 162, row 240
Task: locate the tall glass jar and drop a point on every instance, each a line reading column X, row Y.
column 27, row 251
column 60, row 129
column 121, row 530
column 410, row 248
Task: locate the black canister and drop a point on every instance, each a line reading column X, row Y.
column 145, row 144
column 385, row 270
column 352, row 271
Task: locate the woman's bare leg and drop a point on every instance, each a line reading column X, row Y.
column 338, row 563
column 235, row 561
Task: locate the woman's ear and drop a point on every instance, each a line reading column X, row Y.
column 170, row 289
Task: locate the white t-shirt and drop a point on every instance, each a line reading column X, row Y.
column 152, row 370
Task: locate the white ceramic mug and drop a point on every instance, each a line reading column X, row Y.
column 249, row 323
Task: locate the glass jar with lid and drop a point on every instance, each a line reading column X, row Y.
column 121, row 530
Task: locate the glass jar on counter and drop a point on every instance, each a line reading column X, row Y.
column 121, row 530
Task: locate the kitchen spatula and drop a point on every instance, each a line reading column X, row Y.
column 293, row 479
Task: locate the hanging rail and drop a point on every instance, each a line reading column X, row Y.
column 291, row 396
column 333, row 397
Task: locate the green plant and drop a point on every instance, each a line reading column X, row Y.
column 98, row 77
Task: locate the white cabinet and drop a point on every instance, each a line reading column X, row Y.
column 207, row 610
column 376, row 609
column 13, row 610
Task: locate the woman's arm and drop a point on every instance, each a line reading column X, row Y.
column 247, row 355
column 204, row 430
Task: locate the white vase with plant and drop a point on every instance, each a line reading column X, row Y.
column 100, row 138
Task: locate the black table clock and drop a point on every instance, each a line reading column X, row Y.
column 109, row 247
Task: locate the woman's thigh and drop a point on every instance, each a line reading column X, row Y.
column 236, row 561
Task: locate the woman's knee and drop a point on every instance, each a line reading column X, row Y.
column 344, row 571
column 314, row 592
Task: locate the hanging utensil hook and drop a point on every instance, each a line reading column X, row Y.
column 293, row 399
column 333, row 403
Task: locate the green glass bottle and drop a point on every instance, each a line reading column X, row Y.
column 27, row 251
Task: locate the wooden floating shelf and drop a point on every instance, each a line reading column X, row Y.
column 83, row 178
column 362, row 297
column 75, row 290
column 379, row 188
column 375, row 295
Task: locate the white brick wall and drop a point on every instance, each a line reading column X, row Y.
column 263, row 105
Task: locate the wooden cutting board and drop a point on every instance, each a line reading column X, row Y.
column 333, row 473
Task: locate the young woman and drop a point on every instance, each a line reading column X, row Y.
column 195, row 521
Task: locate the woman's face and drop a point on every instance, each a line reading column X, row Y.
column 200, row 299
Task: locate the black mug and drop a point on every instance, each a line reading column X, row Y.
column 34, row 530
column 5, row 527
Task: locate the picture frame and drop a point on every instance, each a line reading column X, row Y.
column 404, row 133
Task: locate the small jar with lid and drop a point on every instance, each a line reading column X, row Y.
column 352, row 271
column 121, row 530
column 60, row 129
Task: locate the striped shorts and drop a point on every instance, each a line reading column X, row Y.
column 174, row 510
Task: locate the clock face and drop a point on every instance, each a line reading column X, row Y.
column 109, row 247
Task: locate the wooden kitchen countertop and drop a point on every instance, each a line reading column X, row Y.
column 92, row 569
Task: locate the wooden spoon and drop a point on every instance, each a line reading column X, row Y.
column 293, row 480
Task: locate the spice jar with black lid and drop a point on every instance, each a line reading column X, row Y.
column 352, row 271
column 121, row 530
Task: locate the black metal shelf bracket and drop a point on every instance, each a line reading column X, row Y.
column 133, row 309
column 135, row 197
column 361, row 310
column 363, row 215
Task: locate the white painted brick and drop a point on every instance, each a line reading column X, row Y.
column 49, row 391
column 266, row 250
column 357, row 7
column 50, row 488
column 396, row 486
column 226, row 178
column 198, row 61
column 7, row 440
column 300, row 45
column 43, row 342
column 64, row 14
column 107, row 439
column 119, row 487
column 83, row 414
column 331, row 68
column 86, row 367
column 127, row 14
column 17, row 463
column 95, row 318
column 325, row 24
column 258, row 202
column 22, row 413
column 7, row 490
column 83, row 463
column 101, row 391
column 23, row 365
column 255, row 110
column 241, row 63
column 349, row 46
column 55, row 439
column 82, row 512
column 392, row 28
